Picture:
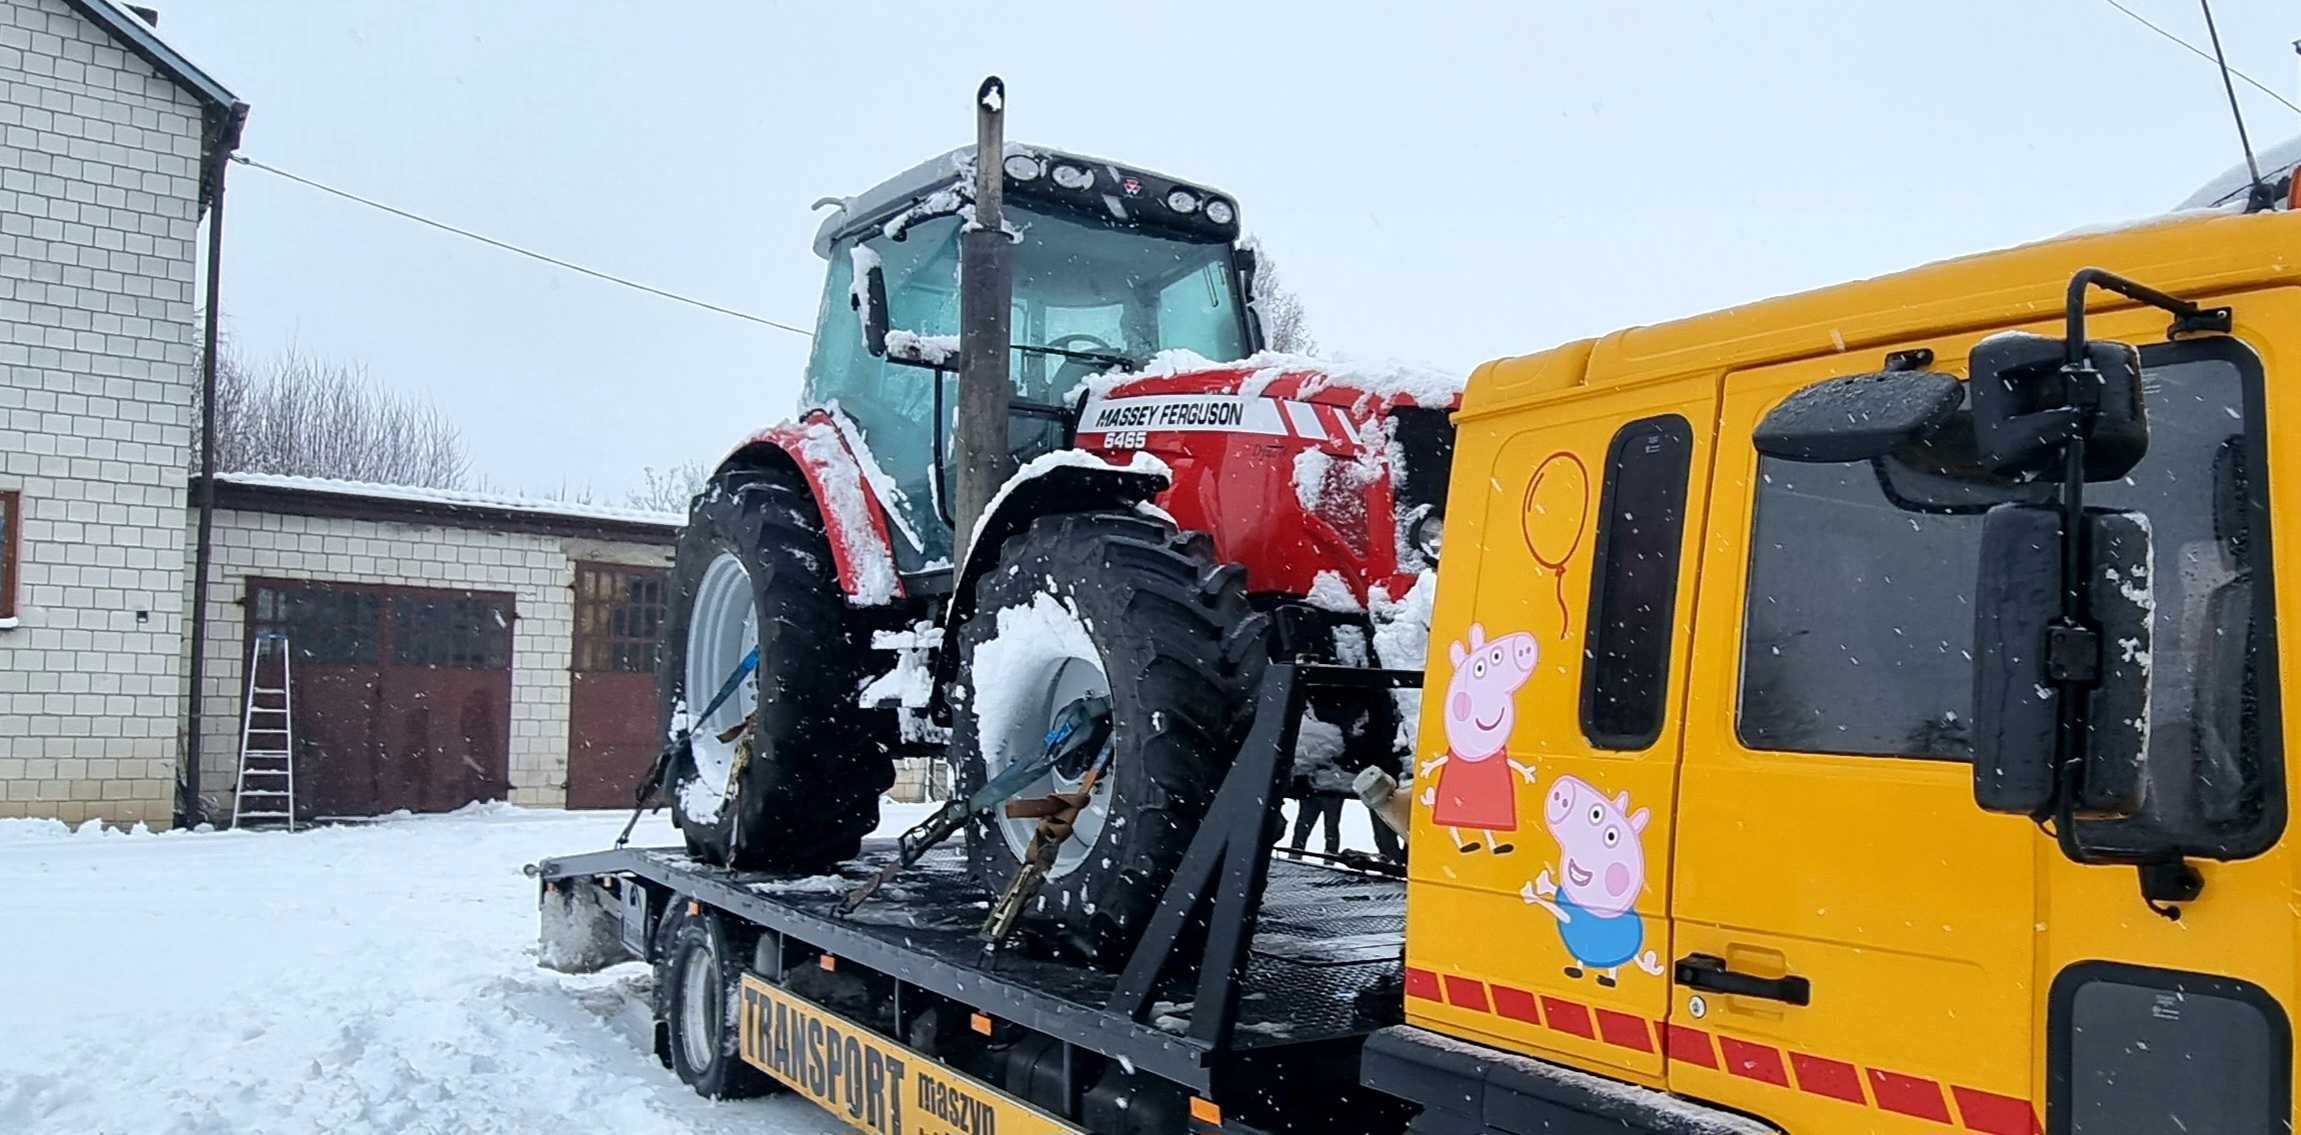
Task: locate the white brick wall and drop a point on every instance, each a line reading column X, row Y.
column 538, row 570
column 98, row 214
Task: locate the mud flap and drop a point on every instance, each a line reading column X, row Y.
column 582, row 926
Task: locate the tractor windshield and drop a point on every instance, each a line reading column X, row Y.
column 1083, row 286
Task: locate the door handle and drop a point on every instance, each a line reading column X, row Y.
column 1709, row 972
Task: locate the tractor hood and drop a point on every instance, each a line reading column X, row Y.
column 1367, row 389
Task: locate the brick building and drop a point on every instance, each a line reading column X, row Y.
column 446, row 647
column 107, row 148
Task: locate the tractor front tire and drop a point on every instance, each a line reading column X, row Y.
column 754, row 568
column 1121, row 604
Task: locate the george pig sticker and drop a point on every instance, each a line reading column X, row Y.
column 1476, row 791
column 1601, row 870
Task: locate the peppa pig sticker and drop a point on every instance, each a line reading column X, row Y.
column 1601, row 870
column 1476, row 791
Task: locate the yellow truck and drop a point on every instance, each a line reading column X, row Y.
column 1853, row 712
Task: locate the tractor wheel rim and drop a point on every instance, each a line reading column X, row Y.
column 698, row 984
column 722, row 627
column 1065, row 678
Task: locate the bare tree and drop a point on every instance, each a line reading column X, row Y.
column 1285, row 327
column 304, row 416
column 669, row 489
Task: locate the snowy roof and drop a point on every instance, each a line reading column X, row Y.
column 939, row 172
column 2275, row 162
column 446, row 504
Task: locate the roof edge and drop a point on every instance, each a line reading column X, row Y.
column 139, row 37
column 296, row 500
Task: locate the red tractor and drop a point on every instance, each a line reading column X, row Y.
column 1017, row 350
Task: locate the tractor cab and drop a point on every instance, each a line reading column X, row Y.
column 1111, row 265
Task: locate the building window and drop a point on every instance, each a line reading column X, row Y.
column 11, row 544
column 458, row 633
column 618, row 618
column 1634, row 590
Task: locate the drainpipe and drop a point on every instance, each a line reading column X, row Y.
column 227, row 139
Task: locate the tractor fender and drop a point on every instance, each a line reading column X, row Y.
column 1067, row 480
column 854, row 517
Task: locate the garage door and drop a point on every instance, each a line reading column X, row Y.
column 612, row 733
column 402, row 695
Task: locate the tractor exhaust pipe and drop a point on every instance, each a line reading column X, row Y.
column 985, row 452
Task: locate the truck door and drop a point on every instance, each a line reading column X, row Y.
column 1853, row 939
column 1538, row 915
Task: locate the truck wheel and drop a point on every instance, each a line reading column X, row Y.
column 699, row 973
column 754, row 569
column 1119, row 604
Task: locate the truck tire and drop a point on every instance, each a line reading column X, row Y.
column 698, row 974
column 754, row 568
column 1120, row 604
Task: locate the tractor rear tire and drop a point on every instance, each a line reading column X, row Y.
column 809, row 791
column 1178, row 651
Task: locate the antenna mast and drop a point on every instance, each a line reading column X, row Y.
column 2259, row 197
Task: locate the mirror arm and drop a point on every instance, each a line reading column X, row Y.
column 2188, row 318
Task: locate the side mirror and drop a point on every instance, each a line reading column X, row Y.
column 868, row 296
column 2028, row 402
column 2023, row 648
column 1857, row 418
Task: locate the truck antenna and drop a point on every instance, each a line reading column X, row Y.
column 2259, row 197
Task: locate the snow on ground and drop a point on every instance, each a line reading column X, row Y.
column 378, row 978
column 370, row 978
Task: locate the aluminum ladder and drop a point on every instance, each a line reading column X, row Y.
column 267, row 738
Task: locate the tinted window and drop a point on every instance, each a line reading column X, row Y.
column 1859, row 625
column 1642, row 515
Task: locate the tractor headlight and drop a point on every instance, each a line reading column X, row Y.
column 1022, row 167
column 1074, row 177
column 1428, row 534
column 1219, row 211
column 1182, row 201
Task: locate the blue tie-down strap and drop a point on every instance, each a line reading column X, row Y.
column 658, row 775
column 727, row 688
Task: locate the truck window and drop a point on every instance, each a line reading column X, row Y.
column 1634, row 589
column 1858, row 625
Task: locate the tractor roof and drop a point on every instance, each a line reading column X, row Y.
column 941, row 172
column 2182, row 253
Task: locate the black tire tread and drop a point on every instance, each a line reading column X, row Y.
column 1196, row 650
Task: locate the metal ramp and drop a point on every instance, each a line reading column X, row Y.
column 266, row 789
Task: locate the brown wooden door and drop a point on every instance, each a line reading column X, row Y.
column 446, row 738
column 402, row 696
column 336, row 636
column 612, row 733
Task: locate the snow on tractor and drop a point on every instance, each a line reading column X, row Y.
column 1021, row 508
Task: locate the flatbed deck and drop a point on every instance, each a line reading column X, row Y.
column 1324, row 968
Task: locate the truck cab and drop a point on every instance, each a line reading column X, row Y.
column 1751, row 775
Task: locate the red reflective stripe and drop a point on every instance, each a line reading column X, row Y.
column 1421, row 983
column 1753, row 1061
column 1568, row 1017
column 1690, row 1045
column 1909, row 1095
column 1993, row 1114
column 1823, row 1076
column 1466, row 993
column 1624, row 1030
column 1516, row 1004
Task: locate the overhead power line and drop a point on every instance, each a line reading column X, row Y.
column 507, row 246
column 2192, row 49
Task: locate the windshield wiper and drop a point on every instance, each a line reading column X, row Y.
column 1089, row 356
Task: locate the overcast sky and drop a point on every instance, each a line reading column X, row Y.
column 1443, row 188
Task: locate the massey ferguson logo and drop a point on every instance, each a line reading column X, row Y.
column 1227, row 413
column 1131, row 186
